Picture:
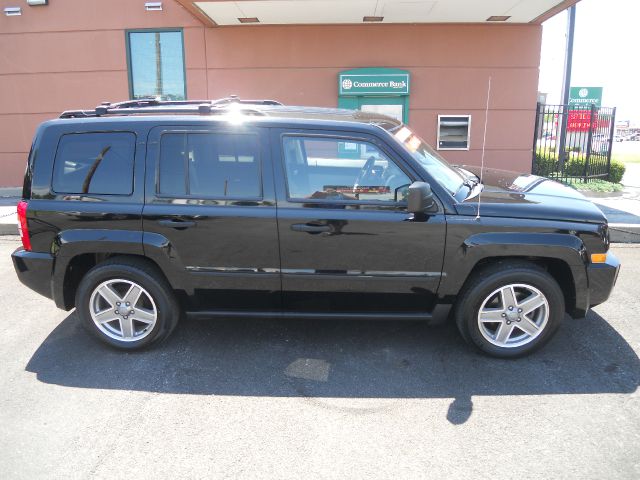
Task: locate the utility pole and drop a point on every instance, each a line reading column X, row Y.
column 568, row 61
column 159, row 85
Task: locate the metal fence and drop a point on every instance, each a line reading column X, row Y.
column 573, row 142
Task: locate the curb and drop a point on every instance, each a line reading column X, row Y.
column 8, row 229
column 624, row 232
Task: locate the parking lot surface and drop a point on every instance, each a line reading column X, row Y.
column 317, row 399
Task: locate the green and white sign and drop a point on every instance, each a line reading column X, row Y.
column 375, row 89
column 373, row 83
column 582, row 97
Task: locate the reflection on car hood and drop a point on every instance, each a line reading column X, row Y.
column 511, row 194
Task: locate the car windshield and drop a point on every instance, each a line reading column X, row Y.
column 429, row 159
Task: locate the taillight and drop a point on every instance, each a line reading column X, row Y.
column 22, row 225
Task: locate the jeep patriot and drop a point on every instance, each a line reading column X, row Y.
column 139, row 212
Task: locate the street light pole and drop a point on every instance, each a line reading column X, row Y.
column 568, row 61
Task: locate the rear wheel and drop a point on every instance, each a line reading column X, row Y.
column 126, row 303
column 510, row 309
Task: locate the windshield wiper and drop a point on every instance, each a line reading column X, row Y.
column 469, row 178
column 466, row 183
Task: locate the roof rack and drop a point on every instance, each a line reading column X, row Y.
column 152, row 105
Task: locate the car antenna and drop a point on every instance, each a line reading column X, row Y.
column 484, row 141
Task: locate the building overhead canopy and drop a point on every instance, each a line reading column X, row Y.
column 331, row 12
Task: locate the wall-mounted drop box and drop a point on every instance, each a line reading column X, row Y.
column 454, row 132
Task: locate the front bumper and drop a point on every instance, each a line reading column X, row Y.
column 602, row 278
column 35, row 270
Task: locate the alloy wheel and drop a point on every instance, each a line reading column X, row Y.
column 513, row 315
column 123, row 310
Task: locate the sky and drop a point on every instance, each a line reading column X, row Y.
column 606, row 53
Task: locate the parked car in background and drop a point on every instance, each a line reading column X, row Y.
column 139, row 212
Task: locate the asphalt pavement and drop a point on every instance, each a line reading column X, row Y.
column 317, row 399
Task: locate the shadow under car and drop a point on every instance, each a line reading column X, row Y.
column 349, row 359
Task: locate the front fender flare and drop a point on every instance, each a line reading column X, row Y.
column 461, row 260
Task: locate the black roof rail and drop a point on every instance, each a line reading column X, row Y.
column 153, row 105
column 202, row 109
column 235, row 99
column 150, row 102
column 77, row 114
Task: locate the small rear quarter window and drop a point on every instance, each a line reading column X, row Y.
column 95, row 163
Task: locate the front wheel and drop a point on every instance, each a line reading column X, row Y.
column 510, row 309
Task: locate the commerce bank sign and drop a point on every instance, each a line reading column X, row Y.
column 374, row 84
column 581, row 98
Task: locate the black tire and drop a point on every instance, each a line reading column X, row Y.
column 493, row 277
column 145, row 275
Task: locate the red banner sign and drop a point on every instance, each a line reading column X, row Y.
column 580, row 121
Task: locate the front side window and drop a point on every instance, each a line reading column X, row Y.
column 209, row 165
column 156, row 64
column 338, row 169
column 95, row 163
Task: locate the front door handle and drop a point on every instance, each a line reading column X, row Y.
column 310, row 228
column 177, row 224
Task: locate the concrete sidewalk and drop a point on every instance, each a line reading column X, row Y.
column 622, row 208
column 8, row 221
column 632, row 175
column 9, row 198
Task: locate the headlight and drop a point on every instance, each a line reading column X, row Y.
column 604, row 232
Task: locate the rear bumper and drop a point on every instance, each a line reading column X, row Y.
column 35, row 270
column 602, row 278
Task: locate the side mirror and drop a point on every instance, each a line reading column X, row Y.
column 420, row 198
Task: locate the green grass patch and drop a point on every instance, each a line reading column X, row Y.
column 594, row 186
column 627, row 157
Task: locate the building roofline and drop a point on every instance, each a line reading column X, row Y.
column 207, row 21
column 191, row 7
column 554, row 11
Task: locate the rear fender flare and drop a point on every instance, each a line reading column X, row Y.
column 161, row 251
column 70, row 243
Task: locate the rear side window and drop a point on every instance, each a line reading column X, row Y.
column 95, row 163
column 209, row 165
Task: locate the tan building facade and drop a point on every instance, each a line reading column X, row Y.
column 77, row 53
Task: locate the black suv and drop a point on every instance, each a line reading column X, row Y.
column 138, row 212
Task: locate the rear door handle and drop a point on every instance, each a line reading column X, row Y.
column 177, row 224
column 310, row 228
